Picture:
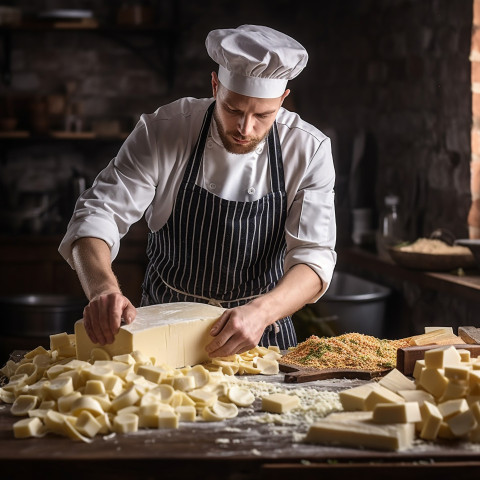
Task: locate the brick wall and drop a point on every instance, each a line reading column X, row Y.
column 474, row 213
column 397, row 71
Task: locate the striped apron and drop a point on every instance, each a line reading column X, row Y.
column 221, row 252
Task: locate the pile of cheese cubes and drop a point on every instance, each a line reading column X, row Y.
column 59, row 394
column 443, row 401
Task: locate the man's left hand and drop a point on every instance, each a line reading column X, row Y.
column 236, row 331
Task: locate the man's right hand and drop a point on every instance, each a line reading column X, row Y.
column 103, row 316
column 108, row 307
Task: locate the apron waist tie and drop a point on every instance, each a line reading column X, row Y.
column 215, row 302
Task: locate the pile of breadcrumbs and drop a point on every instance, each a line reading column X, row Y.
column 349, row 351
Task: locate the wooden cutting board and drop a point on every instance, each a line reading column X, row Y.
column 469, row 335
column 406, row 357
column 294, row 374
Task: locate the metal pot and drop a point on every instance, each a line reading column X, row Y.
column 39, row 315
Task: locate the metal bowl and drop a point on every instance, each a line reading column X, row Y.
column 39, row 315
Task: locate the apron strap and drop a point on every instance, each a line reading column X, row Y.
column 194, row 161
column 276, row 168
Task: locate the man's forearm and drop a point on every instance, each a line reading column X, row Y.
column 91, row 257
column 296, row 288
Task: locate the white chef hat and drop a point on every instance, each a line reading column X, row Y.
column 255, row 61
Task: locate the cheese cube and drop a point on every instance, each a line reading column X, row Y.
column 94, row 387
column 396, row 380
column 62, row 342
column 354, row 398
column 445, row 432
column 475, row 408
column 152, row 373
column 431, row 421
column 442, row 356
column 455, row 389
column 474, row 381
column 28, row 427
column 457, row 372
column 464, row 355
column 175, row 334
column 417, row 370
column 167, row 419
column 87, row 424
column 186, row 413
column 408, row 412
column 419, row 396
column 433, row 381
column 462, row 423
column 451, row 408
column 279, row 402
column 381, row 395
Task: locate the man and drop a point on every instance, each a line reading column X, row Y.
column 237, row 193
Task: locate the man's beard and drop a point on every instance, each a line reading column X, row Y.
column 233, row 147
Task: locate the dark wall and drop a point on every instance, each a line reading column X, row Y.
column 392, row 73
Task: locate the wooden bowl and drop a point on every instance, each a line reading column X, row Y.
column 431, row 261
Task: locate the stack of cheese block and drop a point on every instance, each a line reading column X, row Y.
column 443, row 401
column 61, row 394
column 436, row 336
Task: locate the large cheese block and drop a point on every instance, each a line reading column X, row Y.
column 175, row 334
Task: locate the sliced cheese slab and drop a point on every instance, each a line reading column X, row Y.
column 357, row 430
column 175, row 334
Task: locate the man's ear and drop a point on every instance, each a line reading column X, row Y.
column 286, row 93
column 214, row 84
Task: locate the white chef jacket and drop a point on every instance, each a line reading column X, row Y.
column 145, row 176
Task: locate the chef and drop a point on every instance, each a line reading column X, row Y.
column 238, row 196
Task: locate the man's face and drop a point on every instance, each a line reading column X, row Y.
column 243, row 122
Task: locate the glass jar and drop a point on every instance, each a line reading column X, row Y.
column 390, row 228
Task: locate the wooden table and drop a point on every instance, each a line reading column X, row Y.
column 237, row 449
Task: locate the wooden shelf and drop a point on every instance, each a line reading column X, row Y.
column 466, row 286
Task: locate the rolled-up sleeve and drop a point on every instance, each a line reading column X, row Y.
column 311, row 226
column 118, row 197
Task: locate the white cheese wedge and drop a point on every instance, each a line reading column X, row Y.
column 357, row 430
column 175, row 334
